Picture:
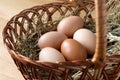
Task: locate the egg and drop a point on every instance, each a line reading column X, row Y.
column 49, row 54
column 87, row 38
column 70, row 24
column 73, row 50
column 51, row 39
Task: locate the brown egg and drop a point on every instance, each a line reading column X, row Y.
column 73, row 50
column 51, row 39
column 87, row 39
column 70, row 24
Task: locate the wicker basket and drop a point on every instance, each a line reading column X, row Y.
column 87, row 70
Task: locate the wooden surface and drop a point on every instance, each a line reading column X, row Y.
column 8, row 8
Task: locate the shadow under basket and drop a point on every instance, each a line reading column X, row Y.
column 27, row 26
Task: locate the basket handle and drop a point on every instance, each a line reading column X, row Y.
column 101, row 33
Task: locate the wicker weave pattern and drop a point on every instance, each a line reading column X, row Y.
column 32, row 70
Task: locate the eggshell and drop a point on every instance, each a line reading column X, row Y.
column 51, row 39
column 73, row 50
column 49, row 54
column 87, row 39
column 70, row 24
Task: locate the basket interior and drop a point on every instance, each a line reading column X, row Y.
column 30, row 24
